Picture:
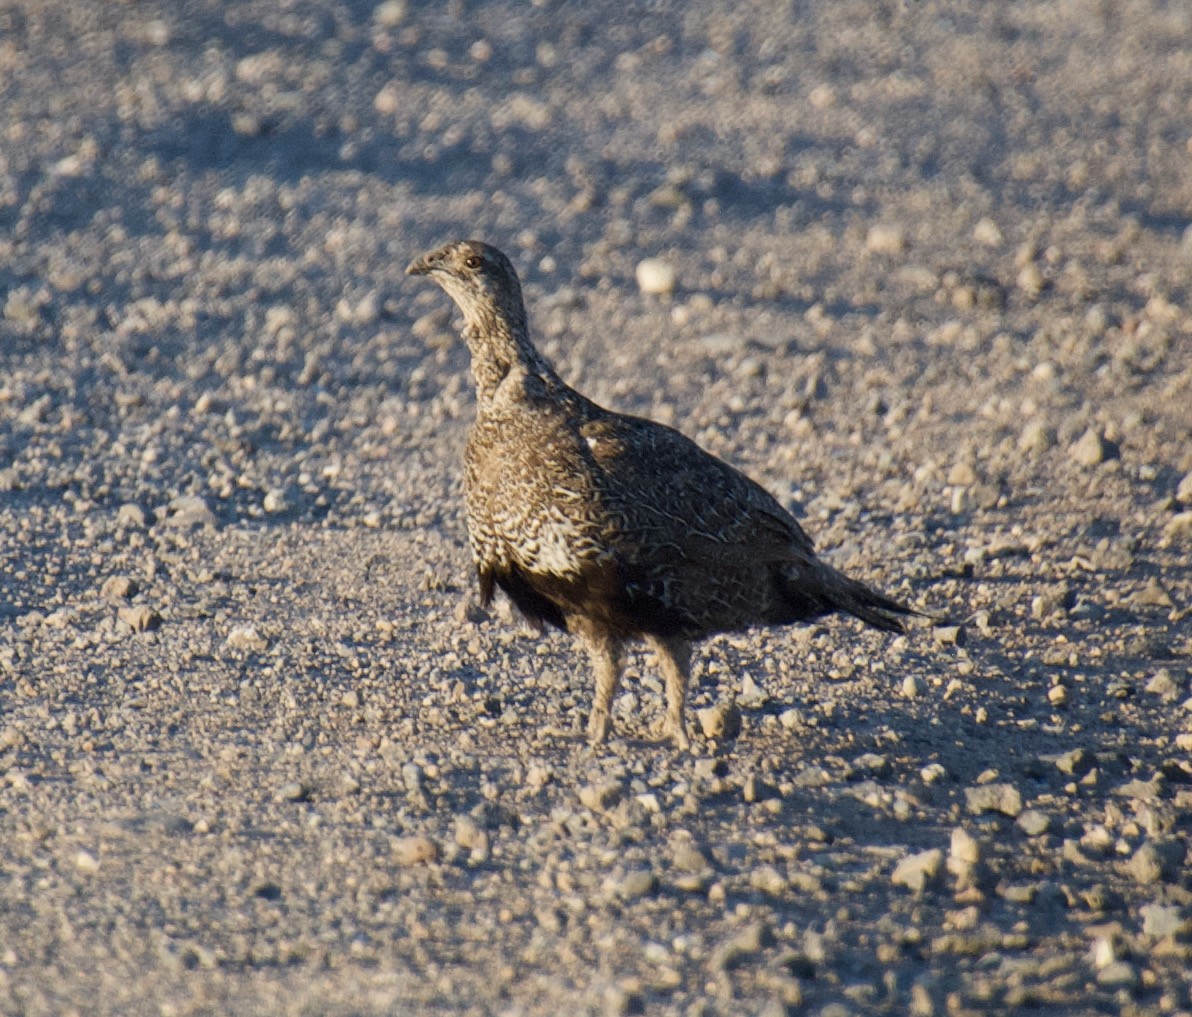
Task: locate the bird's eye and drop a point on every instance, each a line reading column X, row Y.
column 472, row 261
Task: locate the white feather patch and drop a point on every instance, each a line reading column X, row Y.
column 555, row 547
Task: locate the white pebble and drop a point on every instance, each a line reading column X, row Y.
column 987, row 232
column 86, row 863
column 655, row 275
column 886, row 240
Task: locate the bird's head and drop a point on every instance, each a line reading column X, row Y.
column 478, row 277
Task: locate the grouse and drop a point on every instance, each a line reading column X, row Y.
column 614, row 527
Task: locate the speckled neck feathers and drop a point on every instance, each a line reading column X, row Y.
column 484, row 285
column 498, row 340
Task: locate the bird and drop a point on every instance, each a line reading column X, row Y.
column 613, row 527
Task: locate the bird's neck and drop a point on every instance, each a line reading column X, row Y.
column 501, row 349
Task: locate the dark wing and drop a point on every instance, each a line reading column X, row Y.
column 699, row 545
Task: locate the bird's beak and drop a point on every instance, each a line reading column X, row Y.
column 419, row 266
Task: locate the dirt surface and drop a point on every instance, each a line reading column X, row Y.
column 260, row 752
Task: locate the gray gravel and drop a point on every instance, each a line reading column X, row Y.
column 922, row 269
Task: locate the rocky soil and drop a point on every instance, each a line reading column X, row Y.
column 924, row 272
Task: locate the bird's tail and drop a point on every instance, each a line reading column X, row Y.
column 860, row 601
column 837, row 592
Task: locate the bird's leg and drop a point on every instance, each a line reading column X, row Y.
column 606, row 652
column 674, row 660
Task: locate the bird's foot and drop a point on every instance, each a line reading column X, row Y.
column 598, row 725
column 673, row 728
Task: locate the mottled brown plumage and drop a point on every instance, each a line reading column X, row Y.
column 611, row 526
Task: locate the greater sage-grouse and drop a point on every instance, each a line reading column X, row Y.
column 615, row 527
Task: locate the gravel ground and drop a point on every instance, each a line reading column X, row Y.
column 261, row 753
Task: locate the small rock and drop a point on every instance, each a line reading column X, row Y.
column 1097, row 839
column 1053, row 600
column 655, row 276
column 812, row 776
column 389, row 14
column 23, row 308
column 964, row 849
column 689, row 858
column 1003, row 798
column 130, row 514
column 791, row 718
column 1155, row 862
column 755, row 789
column 885, row 240
column 415, row 850
column 634, row 884
column 1030, row 280
column 412, row 777
column 753, row 696
column 1119, row 974
column 781, row 1006
column 949, row 635
column 1140, row 790
column 1183, row 493
column 471, row 837
column 1164, row 921
column 189, row 512
column 768, row 880
column 987, row 232
column 747, row 943
column 1084, row 609
column 872, row 763
column 293, row 792
column 921, row 1003
column 912, row 688
column 917, row 870
column 1102, row 952
column 601, row 797
column 1034, row 823
column 139, row 617
column 118, row 588
column 623, row 1001
column 693, row 882
column 720, row 344
column 1091, row 448
column 247, row 638
column 86, row 863
column 1164, row 685
column 275, row 501
column 708, row 768
column 1076, row 763
column 1179, row 528
column 11, row 738
column 823, row 96
column 933, row 772
column 1019, row 893
column 720, row 721
column 962, row 474
column 1096, row 320
column 1152, row 595
column 1036, row 437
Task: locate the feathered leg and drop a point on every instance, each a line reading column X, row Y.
column 674, row 660
column 606, row 652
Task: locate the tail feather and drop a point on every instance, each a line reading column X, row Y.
column 857, row 599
